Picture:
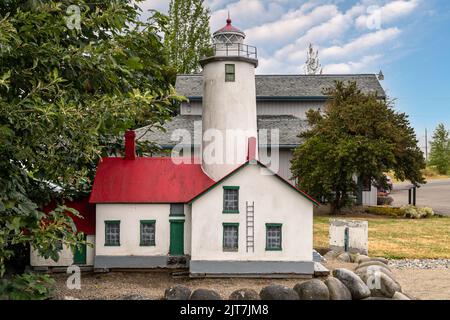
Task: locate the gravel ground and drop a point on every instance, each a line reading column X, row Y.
column 423, row 279
column 426, row 264
column 151, row 285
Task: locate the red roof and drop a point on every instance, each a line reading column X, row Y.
column 86, row 224
column 147, row 180
column 229, row 28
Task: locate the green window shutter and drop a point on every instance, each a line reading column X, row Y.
column 274, row 236
column 230, row 73
column 148, row 233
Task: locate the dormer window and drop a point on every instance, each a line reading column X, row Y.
column 230, row 73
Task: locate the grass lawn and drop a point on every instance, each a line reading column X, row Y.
column 397, row 238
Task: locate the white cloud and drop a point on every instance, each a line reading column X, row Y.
column 387, row 13
column 283, row 29
column 363, row 65
column 360, row 44
column 290, row 25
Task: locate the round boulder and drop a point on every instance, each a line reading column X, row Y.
column 177, row 292
column 344, row 257
column 380, row 284
column 373, row 263
column 400, row 296
column 354, row 284
column 205, row 294
column 244, row 294
column 360, row 257
column 331, row 255
column 337, row 289
column 365, row 259
column 277, row 292
column 312, row 290
column 362, row 272
column 132, row 297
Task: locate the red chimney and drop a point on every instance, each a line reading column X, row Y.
column 251, row 156
column 130, row 145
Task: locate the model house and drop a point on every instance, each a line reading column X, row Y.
column 220, row 210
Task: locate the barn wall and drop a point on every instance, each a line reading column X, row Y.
column 275, row 202
column 295, row 108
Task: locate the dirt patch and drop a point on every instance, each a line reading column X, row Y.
column 425, row 284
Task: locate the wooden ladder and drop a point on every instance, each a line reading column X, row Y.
column 250, row 226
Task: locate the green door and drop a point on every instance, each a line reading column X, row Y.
column 176, row 237
column 79, row 255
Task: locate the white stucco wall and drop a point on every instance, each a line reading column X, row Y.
column 130, row 216
column 65, row 257
column 228, row 106
column 358, row 239
column 275, row 202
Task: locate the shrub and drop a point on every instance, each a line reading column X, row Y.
column 408, row 211
column 413, row 212
column 385, row 201
column 27, row 286
column 385, row 211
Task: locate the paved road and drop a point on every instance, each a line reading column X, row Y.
column 435, row 194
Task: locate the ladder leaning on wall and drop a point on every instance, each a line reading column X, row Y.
column 250, row 226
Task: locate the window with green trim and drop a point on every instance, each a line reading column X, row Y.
column 148, row 232
column 112, row 233
column 273, row 236
column 230, row 72
column 230, row 199
column 230, row 236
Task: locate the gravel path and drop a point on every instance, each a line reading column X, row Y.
column 426, row 264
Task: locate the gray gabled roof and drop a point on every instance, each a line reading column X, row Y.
column 287, row 86
column 289, row 127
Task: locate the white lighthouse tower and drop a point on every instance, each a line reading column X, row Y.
column 229, row 102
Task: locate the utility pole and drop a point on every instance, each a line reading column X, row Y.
column 426, row 145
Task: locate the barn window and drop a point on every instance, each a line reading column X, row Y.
column 177, row 209
column 230, row 199
column 148, row 231
column 273, row 236
column 230, row 236
column 112, row 233
column 230, row 74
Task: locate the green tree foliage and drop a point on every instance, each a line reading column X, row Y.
column 187, row 35
column 440, row 150
column 355, row 134
column 67, row 94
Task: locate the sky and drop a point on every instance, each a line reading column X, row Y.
column 409, row 40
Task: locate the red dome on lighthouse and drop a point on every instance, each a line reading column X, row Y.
column 229, row 29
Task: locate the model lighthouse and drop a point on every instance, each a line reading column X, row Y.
column 229, row 102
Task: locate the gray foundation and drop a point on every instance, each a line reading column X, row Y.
column 139, row 262
column 252, row 268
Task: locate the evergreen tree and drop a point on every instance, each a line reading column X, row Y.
column 312, row 64
column 440, row 150
column 187, row 34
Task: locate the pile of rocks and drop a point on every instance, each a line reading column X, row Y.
column 372, row 280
